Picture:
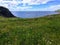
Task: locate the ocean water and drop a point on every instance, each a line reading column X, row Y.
column 32, row 14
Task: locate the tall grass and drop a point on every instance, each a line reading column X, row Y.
column 35, row 31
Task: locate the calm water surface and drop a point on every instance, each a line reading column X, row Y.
column 32, row 14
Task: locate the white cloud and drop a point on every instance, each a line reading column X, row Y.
column 13, row 4
column 54, row 7
column 21, row 8
column 37, row 2
column 50, row 8
column 29, row 2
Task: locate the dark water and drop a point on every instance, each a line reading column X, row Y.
column 32, row 14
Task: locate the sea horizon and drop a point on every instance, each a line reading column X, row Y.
column 32, row 14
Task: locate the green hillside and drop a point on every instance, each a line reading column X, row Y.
column 35, row 31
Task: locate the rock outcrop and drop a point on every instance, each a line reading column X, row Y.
column 5, row 12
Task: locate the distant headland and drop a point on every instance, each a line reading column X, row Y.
column 5, row 12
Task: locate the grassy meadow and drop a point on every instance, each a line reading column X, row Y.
column 34, row 31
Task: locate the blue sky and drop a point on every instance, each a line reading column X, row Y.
column 31, row 5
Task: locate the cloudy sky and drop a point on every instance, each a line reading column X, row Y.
column 31, row 5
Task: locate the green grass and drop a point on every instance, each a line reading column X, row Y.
column 35, row 31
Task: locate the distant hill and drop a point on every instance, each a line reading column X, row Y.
column 58, row 10
column 34, row 31
column 5, row 12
